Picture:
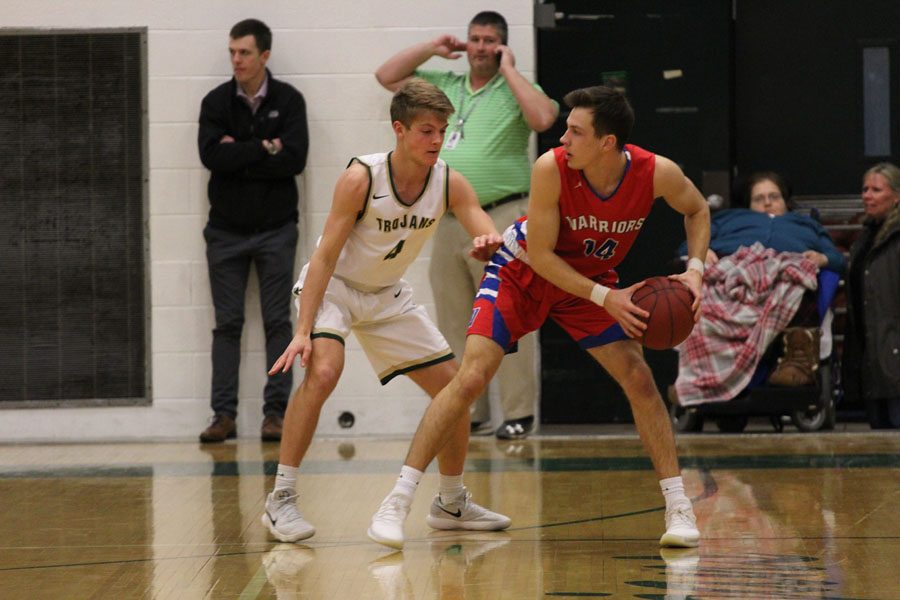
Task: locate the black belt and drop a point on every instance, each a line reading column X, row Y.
column 504, row 200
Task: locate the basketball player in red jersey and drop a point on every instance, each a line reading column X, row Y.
column 589, row 200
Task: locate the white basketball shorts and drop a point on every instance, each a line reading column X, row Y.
column 396, row 334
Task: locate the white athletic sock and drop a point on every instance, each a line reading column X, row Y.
column 407, row 482
column 451, row 488
column 286, row 477
column 673, row 491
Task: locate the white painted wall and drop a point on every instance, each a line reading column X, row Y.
column 329, row 51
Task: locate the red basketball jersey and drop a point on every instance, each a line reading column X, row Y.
column 596, row 233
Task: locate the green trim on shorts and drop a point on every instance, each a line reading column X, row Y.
column 404, row 370
column 329, row 335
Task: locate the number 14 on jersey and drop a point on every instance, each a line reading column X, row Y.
column 604, row 251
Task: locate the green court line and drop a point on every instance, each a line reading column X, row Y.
column 475, row 465
column 255, row 585
column 579, row 594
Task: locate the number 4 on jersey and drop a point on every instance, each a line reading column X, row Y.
column 605, row 251
column 395, row 251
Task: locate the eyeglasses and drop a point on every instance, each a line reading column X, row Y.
column 774, row 196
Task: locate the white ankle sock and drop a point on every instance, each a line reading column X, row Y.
column 407, row 482
column 673, row 491
column 286, row 477
column 451, row 488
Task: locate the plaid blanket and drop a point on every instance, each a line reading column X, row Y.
column 749, row 297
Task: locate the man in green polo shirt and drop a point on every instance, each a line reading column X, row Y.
column 486, row 141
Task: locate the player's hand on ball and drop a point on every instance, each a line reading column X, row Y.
column 693, row 279
column 301, row 345
column 484, row 246
column 619, row 305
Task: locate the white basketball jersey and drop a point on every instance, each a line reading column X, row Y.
column 389, row 234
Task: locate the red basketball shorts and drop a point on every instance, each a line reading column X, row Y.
column 513, row 300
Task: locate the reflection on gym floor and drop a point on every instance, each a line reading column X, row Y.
column 782, row 516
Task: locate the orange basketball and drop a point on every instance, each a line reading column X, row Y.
column 671, row 318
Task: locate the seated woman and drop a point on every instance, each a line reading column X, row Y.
column 871, row 363
column 760, row 281
column 770, row 222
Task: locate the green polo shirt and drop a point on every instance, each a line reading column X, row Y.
column 493, row 153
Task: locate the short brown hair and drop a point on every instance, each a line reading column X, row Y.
column 492, row 19
column 259, row 30
column 612, row 112
column 418, row 96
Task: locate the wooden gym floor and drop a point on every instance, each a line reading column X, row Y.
column 782, row 516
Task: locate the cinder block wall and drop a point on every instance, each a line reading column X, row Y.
column 329, row 51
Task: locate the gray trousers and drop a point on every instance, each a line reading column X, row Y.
column 455, row 278
column 229, row 256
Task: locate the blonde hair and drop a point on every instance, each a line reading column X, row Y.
column 889, row 171
column 418, row 96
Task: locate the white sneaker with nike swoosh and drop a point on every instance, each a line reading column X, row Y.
column 282, row 518
column 462, row 513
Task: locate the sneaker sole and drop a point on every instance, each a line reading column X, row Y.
column 678, row 541
column 514, row 436
column 439, row 523
column 287, row 538
column 396, row 544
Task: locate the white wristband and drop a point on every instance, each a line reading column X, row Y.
column 696, row 264
column 598, row 294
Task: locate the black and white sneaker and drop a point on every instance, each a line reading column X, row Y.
column 515, row 429
column 282, row 518
column 462, row 513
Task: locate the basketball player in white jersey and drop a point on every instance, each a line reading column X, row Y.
column 385, row 207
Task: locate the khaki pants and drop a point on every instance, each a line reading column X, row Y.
column 454, row 280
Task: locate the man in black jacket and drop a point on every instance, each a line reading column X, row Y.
column 253, row 138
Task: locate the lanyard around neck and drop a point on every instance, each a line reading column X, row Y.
column 463, row 116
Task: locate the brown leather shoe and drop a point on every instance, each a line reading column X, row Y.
column 222, row 428
column 801, row 358
column 271, row 428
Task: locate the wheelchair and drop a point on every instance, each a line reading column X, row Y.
column 809, row 408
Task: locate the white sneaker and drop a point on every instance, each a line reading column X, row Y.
column 464, row 514
column 681, row 527
column 282, row 518
column 387, row 523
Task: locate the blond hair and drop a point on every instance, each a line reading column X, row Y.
column 889, row 171
column 418, row 96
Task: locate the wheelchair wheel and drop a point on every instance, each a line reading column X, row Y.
column 811, row 421
column 825, row 417
column 685, row 421
column 731, row 423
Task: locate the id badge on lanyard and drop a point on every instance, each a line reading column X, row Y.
column 452, row 139
column 456, row 136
